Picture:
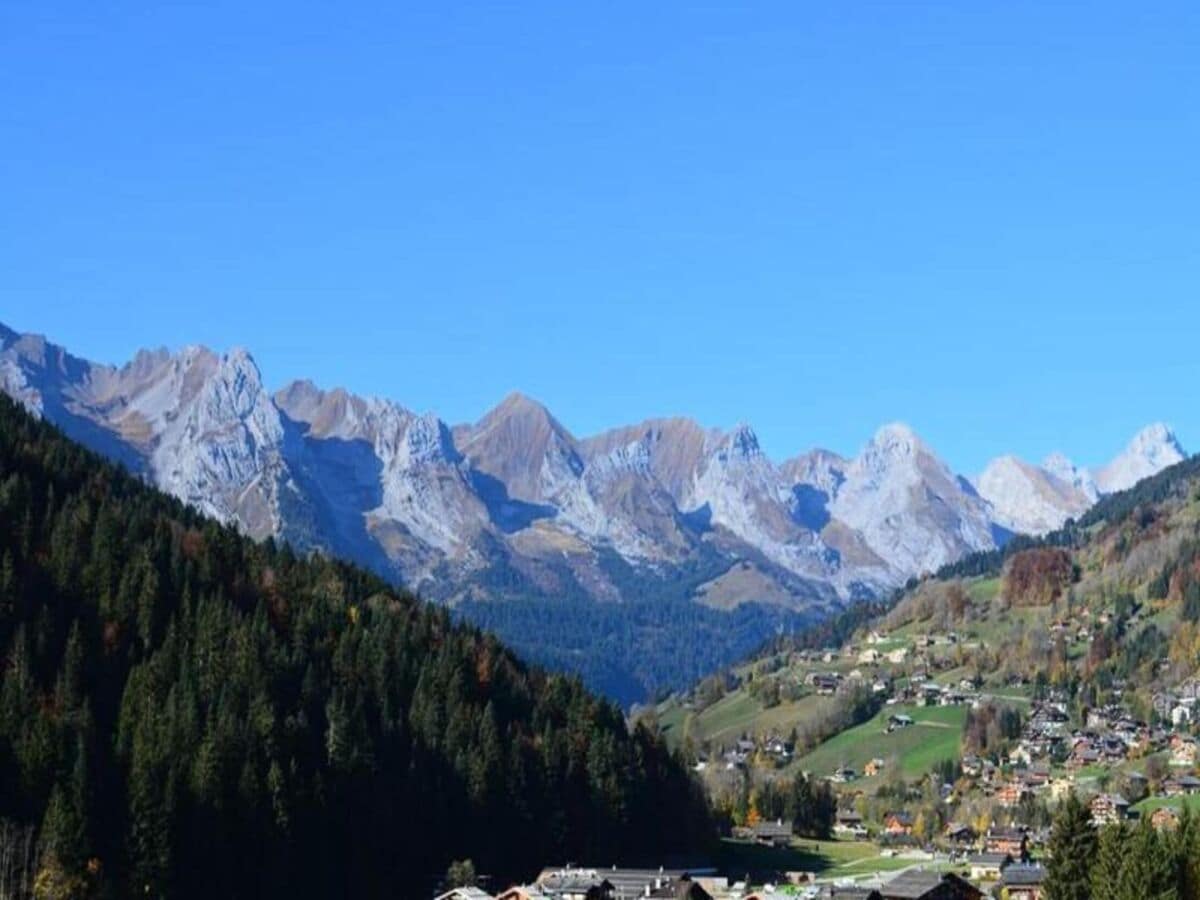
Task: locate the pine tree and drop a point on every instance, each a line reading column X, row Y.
column 8, row 590
column 1072, row 851
column 1110, row 857
column 803, row 805
column 1149, row 871
column 64, row 832
column 461, row 873
column 1184, row 845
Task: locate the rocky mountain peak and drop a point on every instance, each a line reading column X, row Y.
column 237, row 384
column 523, row 446
column 193, row 354
column 909, row 507
column 1151, row 450
column 741, row 443
column 1029, row 499
column 1036, row 499
column 1157, row 442
column 821, row 470
column 520, row 419
column 1004, row 464
column 297, row 395
column 1060, row 466
column 338, row 413
column 146, row 361
column 427, row 440
column 518, row 411
column 896, row 439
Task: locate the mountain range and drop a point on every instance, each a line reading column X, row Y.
column 514, row 506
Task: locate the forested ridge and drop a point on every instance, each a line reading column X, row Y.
column 668, row 641
column 187, row 713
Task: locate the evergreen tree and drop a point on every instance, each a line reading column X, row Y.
column 1149, row 870
column 1072, row 851
column 1111, row 852
column 461, row 873
column 1184, row 846
column 64, row 833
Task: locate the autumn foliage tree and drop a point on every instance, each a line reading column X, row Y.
column 1036, row 577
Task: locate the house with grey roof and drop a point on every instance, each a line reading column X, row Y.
column 465, row 893
column 918, row 884
column 1024, row 881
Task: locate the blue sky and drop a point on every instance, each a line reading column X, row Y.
column 983, row 219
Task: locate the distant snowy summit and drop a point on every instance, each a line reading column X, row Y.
column 514, row 505
column 1036, row 499
column 1151, row 450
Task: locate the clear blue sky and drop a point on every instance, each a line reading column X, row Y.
column 980, row 218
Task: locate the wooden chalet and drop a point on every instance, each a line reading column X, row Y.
column 898, row 823
column 773, row 834
column 1107, row 809
column 919, row 885
column 988, row 866
column 960, row 835
column 1013, row 841
column 1024, row 881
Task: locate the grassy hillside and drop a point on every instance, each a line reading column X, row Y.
column 734, row 715
column 829, row 859
column 935, row 736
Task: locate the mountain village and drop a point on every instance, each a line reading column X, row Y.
column 960, row 750
column 989, row 827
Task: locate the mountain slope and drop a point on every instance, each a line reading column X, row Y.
column 1101, row 615
column 380, row 483
column 186, row 712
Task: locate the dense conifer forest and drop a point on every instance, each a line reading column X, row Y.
column 627, row 650
column 187, row 713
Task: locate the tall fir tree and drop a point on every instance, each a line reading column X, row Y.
column 1184, row 845
column 1149, row 871
column 1072, row 851
column 1112, row 847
